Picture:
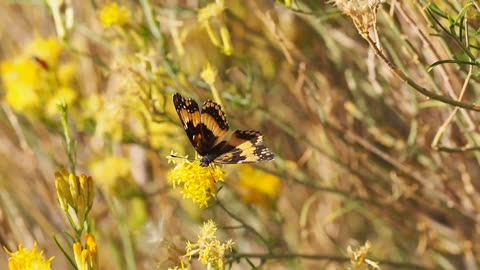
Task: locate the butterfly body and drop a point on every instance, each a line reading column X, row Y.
column 206, row 129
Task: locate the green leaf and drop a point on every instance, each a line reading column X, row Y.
column 451, row 61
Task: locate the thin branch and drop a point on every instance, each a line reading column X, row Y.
column 402, row 76
column 244, row 224
column 443, row 127
column 289, row 256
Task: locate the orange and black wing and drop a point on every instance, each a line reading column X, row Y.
column 214, row 123
column 205, row 129
column 189, row 114
column 244, row 146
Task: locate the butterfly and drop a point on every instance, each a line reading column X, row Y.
column 206, row 129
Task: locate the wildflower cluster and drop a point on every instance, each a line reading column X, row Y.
column 257, row 186
column 86, row 256
column 112, row 14
column 358, row 258
column 195, row 182
column 208, row 248
column 28, row 259
column 112, row 172
column 75, row 193
column 209, row 16
column 36, row 80
column 209, row 75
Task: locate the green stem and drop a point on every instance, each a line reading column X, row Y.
column 70, row 144
column 128, row 254
column 402, row 76
column 244, row 224
column 65, row 253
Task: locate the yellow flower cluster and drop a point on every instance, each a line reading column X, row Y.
column 111, row 171
column 75, row 192
column 86, row 257
column 195, row 182
column 210, row 11
column 256, row 185
column 358, row 258
column 25, row 259
column 206, row 16
column 210, row 250
column 113, row 14
column 36, row 80
column 209, row 74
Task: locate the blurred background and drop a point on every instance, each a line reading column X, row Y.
column 369, row 108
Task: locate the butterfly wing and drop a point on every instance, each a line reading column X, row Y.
column 189, row 114
column 244, row 146
column 204, row 129
column 215, row 124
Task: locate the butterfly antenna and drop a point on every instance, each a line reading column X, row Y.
column 180, row 157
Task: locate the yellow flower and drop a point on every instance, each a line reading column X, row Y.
column 113, row 14
column 211, row 10
column 257, row 186
column 47, row 50
column 209, row 249
column 358, row 257
column 209, row 74
column 25, row 259
column 63, row 94
column 208, row 14
column 195, row 182
column 21, row 79
column 86, row 257
column 75, row 192
column 66, row 73
column 36, row 78
column 159, row 133
column 112, row 173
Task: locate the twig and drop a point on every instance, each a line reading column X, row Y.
column 289, row 256
column 443, row 127
column 244, row 224
column 441, row 69
column 402, row 76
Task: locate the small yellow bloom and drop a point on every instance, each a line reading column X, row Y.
column 63, row 94
column 47, row 50
column 66, row 73
column 25, row 259
column 86, row 257
column 22, row 84
column 75, row 192
column 211, row 10
column 209, row 74
column 113, row 173
column 195, row 182
column 358, row 257
column 208, row 16
column 36, row 78
column 113, row 14
column 210, row 250
column 257, row 186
